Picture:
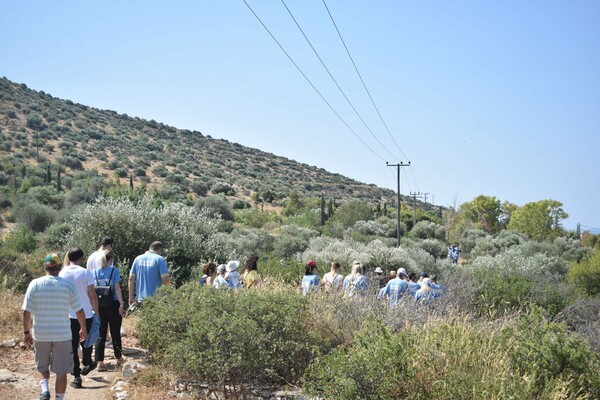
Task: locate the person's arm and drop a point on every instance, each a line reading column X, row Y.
column 131, row 286
column 166, row 280
column 119, row 298
column 93, row 299
column 81, row 319
column 164, row 272
column 27, row 338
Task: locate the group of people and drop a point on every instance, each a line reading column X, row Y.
column 226, row 276
column 395, row 286
column 73, row 306
column 453, row 253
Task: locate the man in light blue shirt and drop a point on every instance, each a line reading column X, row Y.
column 395, row 288
column 148, row 272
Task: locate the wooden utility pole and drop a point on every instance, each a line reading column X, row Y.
column 414, row 196
column 398, row 166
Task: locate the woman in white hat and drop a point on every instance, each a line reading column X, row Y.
column 232, row 276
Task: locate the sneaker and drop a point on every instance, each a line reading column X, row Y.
column 76, row 383
column 45, row 396
column 101, row 366
column 88, row 368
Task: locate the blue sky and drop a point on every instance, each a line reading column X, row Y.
column 500, row 98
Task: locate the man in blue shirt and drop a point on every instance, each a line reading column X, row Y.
column 395, row 288
column 148, row 272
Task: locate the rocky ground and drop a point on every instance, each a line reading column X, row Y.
column 19, row 378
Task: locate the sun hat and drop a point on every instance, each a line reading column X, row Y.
column 221, row 268
column 401, row 271
column 378, row 270
column 52, row 260
column 232, row 266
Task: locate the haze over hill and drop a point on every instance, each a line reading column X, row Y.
column 42, row 129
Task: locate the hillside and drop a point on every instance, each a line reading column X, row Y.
column 39, row 129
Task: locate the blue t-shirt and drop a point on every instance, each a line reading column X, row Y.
column 102, row 276
column 356, row 287
column 395, row 289
column 310, row 283
column 149, row 270
column 412, row 288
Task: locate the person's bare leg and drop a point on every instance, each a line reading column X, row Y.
column 61, row 383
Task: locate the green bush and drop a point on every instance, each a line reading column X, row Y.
column 527, row 358
column 34, row 216
column 227, row 336
column 14, row 276
column 428, row 230
column 21, row 240
column 586, row 274
column 187, row 234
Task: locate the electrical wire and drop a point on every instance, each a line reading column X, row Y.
column 309, row 81
column 362, row 80
column 334, row 80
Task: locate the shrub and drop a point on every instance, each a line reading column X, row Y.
column 228, row 337
column 33, row 215
column 434, row 247
column 428, row 230
column 585, row 275
column 215, row 205
column 21, row 240
column 187, row 234
column 14, row 276
column 527, row 358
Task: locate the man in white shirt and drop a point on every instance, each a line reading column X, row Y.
column 83, row 280
column 93, row 261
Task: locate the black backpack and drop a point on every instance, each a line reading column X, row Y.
column 104, row 293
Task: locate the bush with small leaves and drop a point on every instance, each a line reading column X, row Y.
column 33, row 215
column 428, row 230
column 585, row 275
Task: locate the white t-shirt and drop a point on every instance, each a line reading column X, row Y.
column 93, row 261
column 81, row 279
column 335, row 280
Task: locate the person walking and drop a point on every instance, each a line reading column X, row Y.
column 48, row 300
column 333, row 280
column 83, row 281
column 111, row 309
column 220, row 282
column 93, row 260
column 310, row 281
column 395, row 288
column 356, row 283
column 148, row 272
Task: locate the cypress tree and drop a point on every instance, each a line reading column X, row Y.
column 131, row 181
column 58, row 182
column 323, row 218
column 49, row 174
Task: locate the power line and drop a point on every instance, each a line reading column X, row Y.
column 334, row 80
column 414, row 180
column 361, row 79
column 310, row 83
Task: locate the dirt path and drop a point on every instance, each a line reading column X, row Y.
column 19, row 378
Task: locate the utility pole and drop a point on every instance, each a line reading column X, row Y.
column 425, row 195
column 414, row 196
column 398, row 166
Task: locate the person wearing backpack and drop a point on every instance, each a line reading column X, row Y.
column 356, row 283
column 112, row 307
column 83, row 281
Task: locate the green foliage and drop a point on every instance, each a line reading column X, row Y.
column 484, row 212
column 527, row 359
column 546, row 353
column 540, row 220
column 351, row 212
column 585, row 275
column 428, row 230
column 21, row 240
column 33, row 215
column 228, row 337
column 14, row 276
column 187, row 234
column 215, row 205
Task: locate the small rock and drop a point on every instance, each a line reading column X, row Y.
column 120, row 396
column 9, row 343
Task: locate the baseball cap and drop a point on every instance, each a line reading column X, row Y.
column 378, row 270
column 52, row 260
column 401, row 271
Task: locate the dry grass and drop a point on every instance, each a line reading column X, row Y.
column 10, row 314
